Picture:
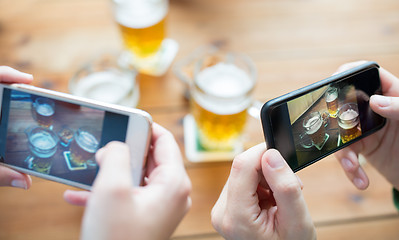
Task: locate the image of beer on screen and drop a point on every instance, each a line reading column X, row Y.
column 50, row 137
column 323, row 120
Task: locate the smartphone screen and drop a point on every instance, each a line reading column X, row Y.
column 55, row 138
column 313, row 122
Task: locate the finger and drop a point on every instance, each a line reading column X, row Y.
column 164, row 142
column 115, row 169
column 164, row 156
column 348, row 66
column 389, row 83
column 78, row 198
column 10, row 75
column 385, row 106
column 348, row 158
column 244, row 176
column 240, row 189
column 285, row 187
column 12, row 178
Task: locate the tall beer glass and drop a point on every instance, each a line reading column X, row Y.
column 349, row 123
column 44, row 109
column 314, row 127
column 331, row 97
column 220, row 97
column 142, row 25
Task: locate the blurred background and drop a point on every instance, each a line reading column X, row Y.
column 292, row 43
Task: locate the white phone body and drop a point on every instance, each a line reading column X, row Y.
column 21, row 126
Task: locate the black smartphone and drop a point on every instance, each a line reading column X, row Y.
column 310, row 123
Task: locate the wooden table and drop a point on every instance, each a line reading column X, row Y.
column 293, row 44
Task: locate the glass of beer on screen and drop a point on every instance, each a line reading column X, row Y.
column 83, row 146
column 331, row 97
column 220, row 96
column 348, row 122
column 314, row 126
column 142, row 26
column 42, row 143
column 43, row 111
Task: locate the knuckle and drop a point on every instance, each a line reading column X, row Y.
column 290, row 188
column 238, row 162
column 119, row 191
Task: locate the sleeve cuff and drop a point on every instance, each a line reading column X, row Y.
column 395, row 194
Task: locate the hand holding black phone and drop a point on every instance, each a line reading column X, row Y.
column 310, row 123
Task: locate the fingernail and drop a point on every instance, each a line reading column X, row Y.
column 382, row 101
column 358, row 182
column 19, row 183
column 347, row 164
column 27, row 75
column 275, row 162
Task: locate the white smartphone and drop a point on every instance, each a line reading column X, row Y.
column 55, row 136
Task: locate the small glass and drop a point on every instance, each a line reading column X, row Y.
column 109, row 78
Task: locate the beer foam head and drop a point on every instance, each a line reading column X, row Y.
column 44, row 109
column 349, row 115
column 331, row 97
column 313, row 124
column 224, row 80
column 139, row 13
column 227, row 86
column 105, row 86
column 43, row 140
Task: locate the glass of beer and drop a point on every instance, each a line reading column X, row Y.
column 314, row 127
column 349, row 123
column 44, row 110
column 142, row 24
column 83, row 146
column 109, row 78
column 220, row 96
column 331, row 97
column 43, row 145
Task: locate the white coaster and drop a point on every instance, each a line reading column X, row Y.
column 160, row 63
column 195, row 153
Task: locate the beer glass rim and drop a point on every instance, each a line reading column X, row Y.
column 229, row 57
column 35, row 129
column 309, row 116
column 352, row 106
column 46, row 100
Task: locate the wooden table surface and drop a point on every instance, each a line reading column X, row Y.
column 293, row 43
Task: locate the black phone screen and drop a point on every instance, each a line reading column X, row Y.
column 55, row 138
column 318, row 121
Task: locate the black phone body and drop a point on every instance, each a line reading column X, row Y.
column 315, row 121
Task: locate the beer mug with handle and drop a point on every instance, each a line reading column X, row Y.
column 221, row 94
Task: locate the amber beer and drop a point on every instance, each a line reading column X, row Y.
column 44, row 110
column 349, row 123
column 219, row 105
column 142, row 25
column 83, row 147
column 314, row 127
column 331, row 97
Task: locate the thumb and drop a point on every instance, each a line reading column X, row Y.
column 385, row 106
column 285, row 187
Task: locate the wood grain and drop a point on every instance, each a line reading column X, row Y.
column 292, row 43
